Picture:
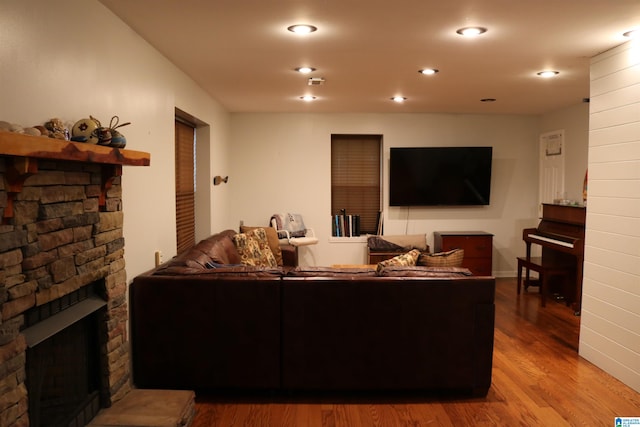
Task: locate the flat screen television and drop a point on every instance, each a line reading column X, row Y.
column 440, row 176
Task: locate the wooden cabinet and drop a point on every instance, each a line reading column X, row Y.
column 477, row 245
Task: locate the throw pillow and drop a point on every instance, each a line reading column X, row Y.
column 407, row 259
column 272, row 238
column 254, row 249
column 452, row 258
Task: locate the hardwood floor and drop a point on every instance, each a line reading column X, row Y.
column 538, row 380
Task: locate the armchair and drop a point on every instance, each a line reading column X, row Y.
column 291, row 228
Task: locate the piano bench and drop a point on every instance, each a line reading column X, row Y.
column 545, row 271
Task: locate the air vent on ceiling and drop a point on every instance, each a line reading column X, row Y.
column 316, row 81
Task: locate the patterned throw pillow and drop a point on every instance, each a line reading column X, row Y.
column 407, row 259
column 254, row 249
column 272, row 238
column 452, row 258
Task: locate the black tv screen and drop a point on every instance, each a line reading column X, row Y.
column 440, row 176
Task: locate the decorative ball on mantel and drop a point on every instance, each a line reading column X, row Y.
column 32, row 131
column 43, row 130
column 27, row 130
column 16, row 128
column 5, row 126
column 85, row 130
column 117, row 139
column 104, row 135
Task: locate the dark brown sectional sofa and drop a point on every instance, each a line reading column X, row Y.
column 310, row 329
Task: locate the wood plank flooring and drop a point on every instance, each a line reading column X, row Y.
column 538, row 380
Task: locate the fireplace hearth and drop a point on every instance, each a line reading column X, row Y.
column 64, row 349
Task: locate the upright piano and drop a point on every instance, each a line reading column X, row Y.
column 561, row 235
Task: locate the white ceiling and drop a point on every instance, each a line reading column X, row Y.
column 240, row 52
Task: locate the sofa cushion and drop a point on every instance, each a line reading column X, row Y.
column 423, row 271
column 409, row 258
column 242, row 269
column 272, row 238
column 254, row 249
column 330, row 272
column 452, row 258
column 169, row 269
column 237, row 270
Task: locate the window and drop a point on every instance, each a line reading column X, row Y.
column 185, row 185
column 355, row 178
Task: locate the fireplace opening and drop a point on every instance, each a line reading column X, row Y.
column 64, row 366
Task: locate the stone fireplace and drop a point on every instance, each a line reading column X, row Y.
column 61, row 242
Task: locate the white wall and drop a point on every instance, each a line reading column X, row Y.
column 281, row 163
column 74, row 58
column 610, row 324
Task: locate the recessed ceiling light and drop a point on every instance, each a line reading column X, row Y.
column 308, row 98
column 302, row 28
column 548, row 73
column 471, row 31
column 305, row 70
column 488, row 100
column 632, row 34
column 398, row 98
column 428, row 71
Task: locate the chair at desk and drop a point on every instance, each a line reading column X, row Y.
column 290, row 227
column 545, row 269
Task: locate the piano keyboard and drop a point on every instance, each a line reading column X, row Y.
column 547, row 239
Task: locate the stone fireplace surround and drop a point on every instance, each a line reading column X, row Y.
column 62, row 217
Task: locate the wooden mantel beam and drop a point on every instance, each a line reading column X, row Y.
column 38, row 147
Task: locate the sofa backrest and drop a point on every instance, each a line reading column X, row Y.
column 214, row 250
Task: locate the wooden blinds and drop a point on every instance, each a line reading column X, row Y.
column 185, row 186
column 355, row 178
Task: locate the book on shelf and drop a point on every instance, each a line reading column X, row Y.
column 343, row 225
column 379, row 224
